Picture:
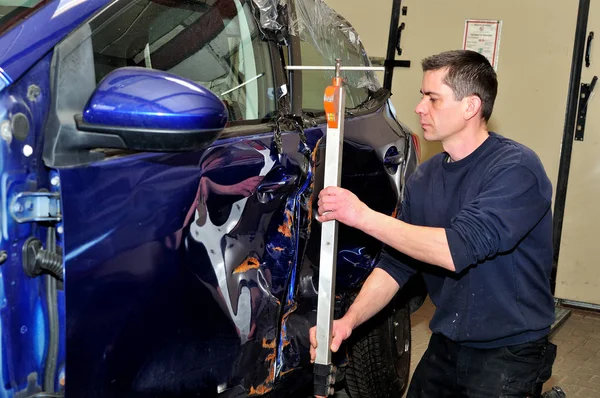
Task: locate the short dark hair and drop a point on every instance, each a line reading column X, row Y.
column 469, row 73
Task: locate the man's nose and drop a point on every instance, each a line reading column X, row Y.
column 421, row 109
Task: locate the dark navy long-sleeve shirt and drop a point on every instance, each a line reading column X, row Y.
column 495, row 208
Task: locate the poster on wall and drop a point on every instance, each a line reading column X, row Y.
column 483, row 36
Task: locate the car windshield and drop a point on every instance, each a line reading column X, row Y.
column 14, row 11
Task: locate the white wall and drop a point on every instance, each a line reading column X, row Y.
column 533, row 68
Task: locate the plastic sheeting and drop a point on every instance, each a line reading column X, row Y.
column 316, row 24
column 268, row 14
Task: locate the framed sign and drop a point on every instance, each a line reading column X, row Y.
column 483, row 36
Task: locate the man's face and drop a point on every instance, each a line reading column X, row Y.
column 440, row 115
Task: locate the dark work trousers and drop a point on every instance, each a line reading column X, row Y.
column 449, row 369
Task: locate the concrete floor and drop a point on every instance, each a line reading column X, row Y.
column 577, row 366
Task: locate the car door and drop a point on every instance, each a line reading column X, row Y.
column 176, row 264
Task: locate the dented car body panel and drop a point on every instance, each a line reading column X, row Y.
column 184, row 272
column 220, row 269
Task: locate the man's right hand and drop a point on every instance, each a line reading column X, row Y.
column 342, row 329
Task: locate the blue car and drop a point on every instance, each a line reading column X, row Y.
column 160, row 168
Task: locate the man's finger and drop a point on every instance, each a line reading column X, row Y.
column 326, row 217
column 326, row 190
column 313, row 343
column 330, row 191
column 329, row 199
column 336, row 342
column 336, row 191
column 322, row 203
column 326, row 208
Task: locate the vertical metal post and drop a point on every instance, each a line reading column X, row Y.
column 334, row 95
column 569, row 131
column 391, row 48
column 335, row 108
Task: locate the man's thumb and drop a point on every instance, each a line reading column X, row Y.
column 335, row 343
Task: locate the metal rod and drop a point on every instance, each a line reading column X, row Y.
column 328, row 258
column 357, row 68
column 391, row 47
column 569, row 132
column 561, row 315
column 580, row 304
column 243, row 84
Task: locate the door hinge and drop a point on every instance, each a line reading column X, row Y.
column 585, row 94
column 36, row 206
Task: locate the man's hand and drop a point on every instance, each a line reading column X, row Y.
column 342, row 205
column 342, row 329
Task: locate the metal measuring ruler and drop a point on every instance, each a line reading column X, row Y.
column 334, row 102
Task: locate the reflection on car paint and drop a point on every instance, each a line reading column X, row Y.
column 249, row 274
column 233, row 278
column 251, row 243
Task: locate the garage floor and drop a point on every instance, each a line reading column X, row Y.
column 577, row 366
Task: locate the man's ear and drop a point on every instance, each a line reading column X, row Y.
column 472, row 106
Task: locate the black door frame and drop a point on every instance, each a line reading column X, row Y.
column 393, row 45
column 569, row 132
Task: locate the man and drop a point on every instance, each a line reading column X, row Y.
column 477, row 219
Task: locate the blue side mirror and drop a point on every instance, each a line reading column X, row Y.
column 150, row 110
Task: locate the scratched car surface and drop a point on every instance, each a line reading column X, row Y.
column 159, row 174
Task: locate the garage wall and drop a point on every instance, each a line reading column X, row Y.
column 533, row 69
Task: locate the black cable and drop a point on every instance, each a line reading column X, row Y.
column 52, row 302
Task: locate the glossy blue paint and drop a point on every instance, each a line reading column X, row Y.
column 290, row 349
column 26, row 43
column 5, row 80
column 184, row 272
column 146, row 98
column 23, row 308
column 210, row 252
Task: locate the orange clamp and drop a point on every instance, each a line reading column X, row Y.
column 331, row 101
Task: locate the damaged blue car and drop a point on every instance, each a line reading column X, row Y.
column 159, row 172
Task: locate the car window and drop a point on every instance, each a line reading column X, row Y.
column 13, row 11
column 314, row 82
column 324, row 36
column 214, row 43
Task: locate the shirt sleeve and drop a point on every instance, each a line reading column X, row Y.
column 395, row 263
column 508, row 208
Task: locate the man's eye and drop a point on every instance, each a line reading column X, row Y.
column 432, row 99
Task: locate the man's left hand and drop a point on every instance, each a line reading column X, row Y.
column 342, row 205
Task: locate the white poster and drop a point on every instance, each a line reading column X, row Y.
column 483, row 36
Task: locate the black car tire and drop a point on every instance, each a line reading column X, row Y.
column 379, row 354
